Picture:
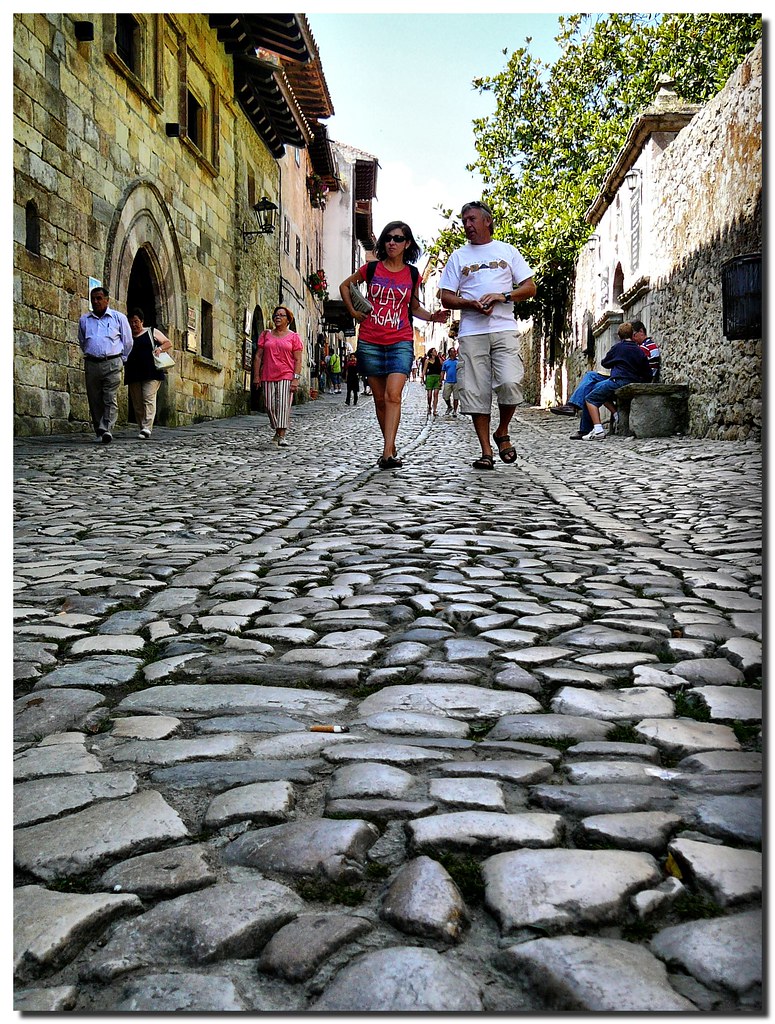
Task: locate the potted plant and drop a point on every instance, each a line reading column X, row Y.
column 317, row 284
column 318, row 190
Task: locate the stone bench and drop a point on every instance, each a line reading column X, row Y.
column 653, row 410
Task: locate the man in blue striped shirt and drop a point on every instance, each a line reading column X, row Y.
column 106, row 340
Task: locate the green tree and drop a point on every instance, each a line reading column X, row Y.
column 558, row 127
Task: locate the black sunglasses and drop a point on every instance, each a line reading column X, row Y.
column 396, row 238
column 477, row 206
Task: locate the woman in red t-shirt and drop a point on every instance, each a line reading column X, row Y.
column 278, row 365
column 386, row 336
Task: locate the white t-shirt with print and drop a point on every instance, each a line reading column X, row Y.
column 476, row 270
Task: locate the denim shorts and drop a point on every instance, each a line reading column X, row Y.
column 382, row 360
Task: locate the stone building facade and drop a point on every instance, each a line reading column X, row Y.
column 681, row 200
column 140, row 145
column 348, row 240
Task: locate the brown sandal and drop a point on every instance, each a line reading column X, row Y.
column 509, row 454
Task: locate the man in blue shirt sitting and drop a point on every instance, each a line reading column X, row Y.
column 628, row 364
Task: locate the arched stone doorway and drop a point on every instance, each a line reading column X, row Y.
column 143, row 267
column 256, row 327
column 618, row 286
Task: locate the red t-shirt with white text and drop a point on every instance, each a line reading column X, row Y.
column 390, row 293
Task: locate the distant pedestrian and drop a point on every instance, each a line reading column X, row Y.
column 335, row 369
column 484, row 279
column 386, row 335
column 449, row 385
column 352, row 380
column 629, row 364
column 141, row 376
column 325, row 384
column 278, row 367
column 105, row 338
column 431, row 378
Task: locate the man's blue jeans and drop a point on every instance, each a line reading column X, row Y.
column 590, row 380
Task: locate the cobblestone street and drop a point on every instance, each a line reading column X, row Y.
column 547, row 793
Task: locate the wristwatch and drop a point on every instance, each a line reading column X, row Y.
column 297, row 376
column 506, row 297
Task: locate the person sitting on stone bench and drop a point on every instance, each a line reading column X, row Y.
column 577, row 402
column 649, row 346
column 629, row 364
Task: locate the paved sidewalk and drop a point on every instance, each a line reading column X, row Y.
column 548, row 793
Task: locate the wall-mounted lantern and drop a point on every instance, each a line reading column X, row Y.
column 265, row 214
column 593, row 241
column 632, row 178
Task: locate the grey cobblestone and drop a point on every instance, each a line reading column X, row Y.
column 549, row 682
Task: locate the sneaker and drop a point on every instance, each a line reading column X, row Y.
column 144, row 435
column 595, row 435
column 564, row 410
column 454, row 415
column 577, row 436
column 107, row 437
column 282, row 443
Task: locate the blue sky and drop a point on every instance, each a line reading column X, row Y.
column 401, row 90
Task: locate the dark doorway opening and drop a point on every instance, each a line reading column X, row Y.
column 256, row 395
column 142, row 292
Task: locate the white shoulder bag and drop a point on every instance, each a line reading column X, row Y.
column 162, row 360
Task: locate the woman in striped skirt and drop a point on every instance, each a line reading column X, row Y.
column 278, row 367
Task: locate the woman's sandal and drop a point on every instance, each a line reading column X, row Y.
column 509, row 454
column 395, row 456
column 390, row 463
column 484, row 462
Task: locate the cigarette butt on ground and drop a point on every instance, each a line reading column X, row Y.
column 328, row 728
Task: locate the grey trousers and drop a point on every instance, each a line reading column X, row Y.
column 103, row 380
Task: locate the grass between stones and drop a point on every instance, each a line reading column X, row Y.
column 477, row 731
column 748, row 734
column 624, row 732
column 319, row 891
column 466, row 873
column 688, row 705
column 688, row 906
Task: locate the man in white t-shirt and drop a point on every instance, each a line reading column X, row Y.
column 484, row 279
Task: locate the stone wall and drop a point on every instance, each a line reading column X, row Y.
column 710, row 179
column 92, row 154
column 702, row 191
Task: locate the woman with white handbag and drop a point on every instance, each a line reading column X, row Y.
column 144, row 369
